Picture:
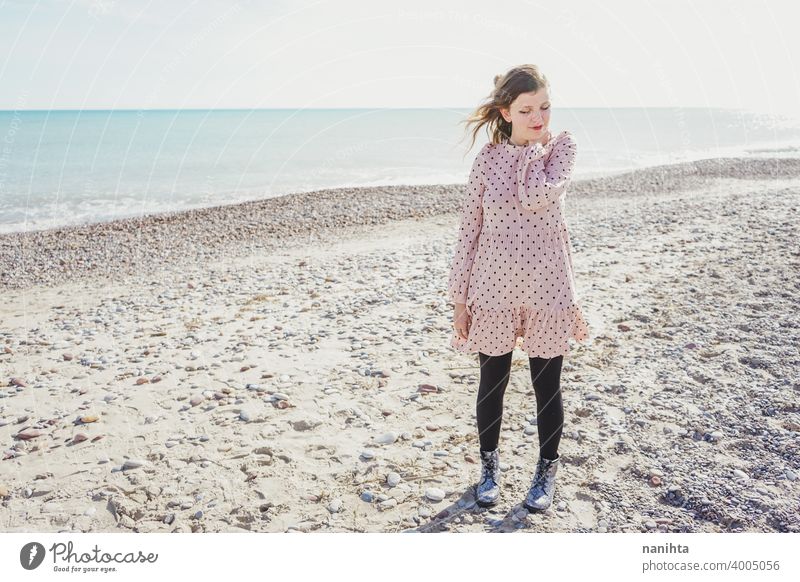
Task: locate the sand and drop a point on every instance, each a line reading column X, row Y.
column 248, row 368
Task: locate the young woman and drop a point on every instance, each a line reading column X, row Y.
column 511, row 278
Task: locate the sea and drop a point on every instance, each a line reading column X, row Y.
column 71, row 167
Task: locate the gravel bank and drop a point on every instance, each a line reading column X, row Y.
column 144, row 246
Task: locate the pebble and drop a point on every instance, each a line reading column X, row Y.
column 392, row 479
column 387, row 504
column 28, row 434
column 434, row 494
column 739, row 474
column 134, row 464
column 335, row 506
column 386, row 438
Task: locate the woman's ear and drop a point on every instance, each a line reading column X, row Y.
column 504, row 113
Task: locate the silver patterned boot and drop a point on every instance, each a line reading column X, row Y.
column 488, row 490
column 540, row 495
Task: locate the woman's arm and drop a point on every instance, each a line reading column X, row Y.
column 540, row 184
column 470, row 228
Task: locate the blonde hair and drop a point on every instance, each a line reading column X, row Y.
column 507, row 87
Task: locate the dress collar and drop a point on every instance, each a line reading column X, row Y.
column 506, row 141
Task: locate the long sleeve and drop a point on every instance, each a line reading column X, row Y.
column 470, row 228
column 540, row 184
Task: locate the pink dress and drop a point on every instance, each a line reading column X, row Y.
column 512, row 264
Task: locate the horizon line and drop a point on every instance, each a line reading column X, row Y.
column 129, row 109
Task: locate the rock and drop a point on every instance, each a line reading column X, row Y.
column 80, row 437
column 86, row 419
column 392, row 479
column 738, row 474
column 386, row 438
column 435, row 494
column 335, row 506
column 303, row 424
column 28, row 434
column 134, row 464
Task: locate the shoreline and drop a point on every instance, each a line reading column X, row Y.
column 143, row 246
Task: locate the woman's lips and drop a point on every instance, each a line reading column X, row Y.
column 538, row 127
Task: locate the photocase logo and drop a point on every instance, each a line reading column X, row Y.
column 31, row 555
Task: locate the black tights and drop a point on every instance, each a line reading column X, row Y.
column 546, row 378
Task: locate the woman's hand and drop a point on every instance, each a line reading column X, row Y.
column 545, row 138
column 461, row 320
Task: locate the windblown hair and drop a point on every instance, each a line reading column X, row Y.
column 521, row 79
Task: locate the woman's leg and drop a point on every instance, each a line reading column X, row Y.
column 546, row 377
column 495, row 371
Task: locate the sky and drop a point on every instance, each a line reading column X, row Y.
column 148, row 54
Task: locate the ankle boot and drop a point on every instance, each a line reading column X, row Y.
column 488, row 490
column 540, row 495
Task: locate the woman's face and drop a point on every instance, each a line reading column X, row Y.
column 529, row 115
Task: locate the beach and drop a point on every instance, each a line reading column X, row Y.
column 284, row 366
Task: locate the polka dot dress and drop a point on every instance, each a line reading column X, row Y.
column 512, row 264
